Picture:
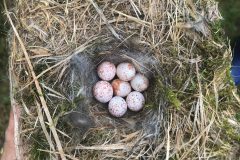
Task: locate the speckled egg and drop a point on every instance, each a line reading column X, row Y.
column 121, row 88
column 139, row 82
column 135, row 101
column 106, row 71
column 126, row 71
column 103, row 91
column 117, row 106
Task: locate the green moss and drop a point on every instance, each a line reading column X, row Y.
column 231, row 132
column 169, row 94
column 218, row 32
column 39, row 142
column 27, row 94
column 149, row 105
column 78, row 100
column 93, row 138
column 238, row 116
column 172, row 97
column 229, row 78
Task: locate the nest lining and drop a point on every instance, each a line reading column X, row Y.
column 175, row 44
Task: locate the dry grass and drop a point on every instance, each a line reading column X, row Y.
column 176, row 43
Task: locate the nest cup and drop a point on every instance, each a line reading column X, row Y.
column 82, row 76
column 56, row 46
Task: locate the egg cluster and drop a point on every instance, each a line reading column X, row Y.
column 118, row 92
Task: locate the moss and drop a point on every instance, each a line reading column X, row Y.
column 169, row 94
column 231, row 132
column 229, row 78
column 172, row 97
column 29, row 95
column 238, row 116
column 149, row 105
column 218, row 32
column 77, row 100
column 38, row 141
column 93, row 138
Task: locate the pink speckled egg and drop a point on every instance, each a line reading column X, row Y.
column 121, row 88
column 135, row 101
column 103, row 91
column 126, row 71
column 117, row 106
column 139, row 82
column 106, row 71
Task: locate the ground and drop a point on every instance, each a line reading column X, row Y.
column 230, row 10
column 4, row 89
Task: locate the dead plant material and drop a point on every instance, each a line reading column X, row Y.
column 55, row 47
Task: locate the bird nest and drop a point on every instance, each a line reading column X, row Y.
column 55, row 47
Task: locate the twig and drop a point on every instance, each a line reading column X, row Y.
column 13, row 104
column 106, row 147
column 133, row 18
column 105, row 19
column 41, row 120
column 168, row 139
